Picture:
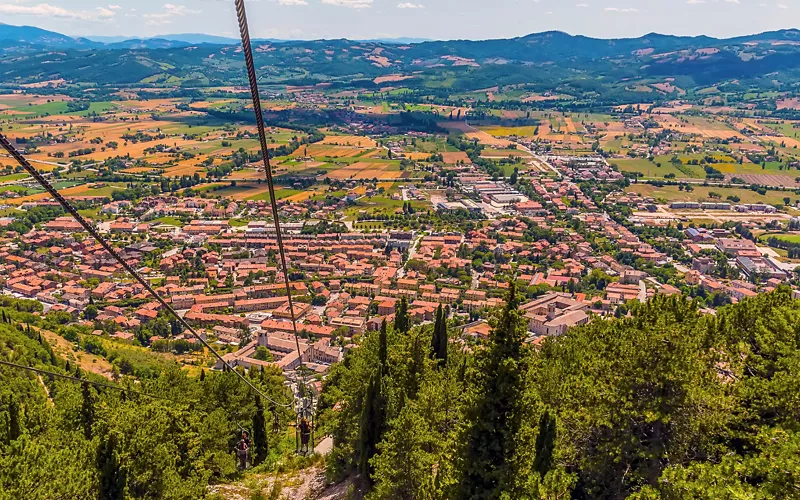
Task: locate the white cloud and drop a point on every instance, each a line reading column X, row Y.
column 621, row 9
column 409, row 5
column 114, row 7
column 732, row 1
column 695, row 2
column 104, row 13
column 170, row 11
column 351, row 4
column 782, row 6
column 582, row 5
column 292, row 2
column 47, row 10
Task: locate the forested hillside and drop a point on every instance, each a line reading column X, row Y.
column 65, row 440
column 665, row 403
column 593, row 70
column 662, row 404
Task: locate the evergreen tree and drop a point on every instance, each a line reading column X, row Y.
column 545, row 443
column 383, row 349
column 402, row 322
column 112, row 475
column 371, row 427
column 87, row 410
column 260, row 442
column 439, row 340
column 13, row 420
column 444, row 339
column 495, row 415
column 435, row 342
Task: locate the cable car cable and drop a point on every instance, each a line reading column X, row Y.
column 244, row 31
column 83, row 380
column 125, row 265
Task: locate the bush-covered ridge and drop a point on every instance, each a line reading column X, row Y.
column 61, row 439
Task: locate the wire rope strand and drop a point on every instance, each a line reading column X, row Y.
column 125, row 265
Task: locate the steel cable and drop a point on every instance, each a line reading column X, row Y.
column 107, row 246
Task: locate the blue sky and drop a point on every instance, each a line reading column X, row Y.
column 440, row 19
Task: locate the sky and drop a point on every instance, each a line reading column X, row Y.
column 435, row 19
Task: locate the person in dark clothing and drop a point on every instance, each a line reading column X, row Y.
column 305, row 434
column 242, row 449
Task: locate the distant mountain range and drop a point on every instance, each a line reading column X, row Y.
column 609, row 70
column 31, row 35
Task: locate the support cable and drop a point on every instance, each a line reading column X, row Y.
column 244, row 31
column 85, row 381
column 107, row 246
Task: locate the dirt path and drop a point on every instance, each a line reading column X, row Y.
column 301, row 485
column 46, row 390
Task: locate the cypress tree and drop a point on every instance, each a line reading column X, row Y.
column 202, row 375
column 545, row 442
column 495, row 415
column 435, row 341
column 13, row 420
column 443, row 339
column 260, row 443
column 383, row 349
column 439, row 340
column 402, row 323
column 371, row 427
column 112, row 476
column 87, row 411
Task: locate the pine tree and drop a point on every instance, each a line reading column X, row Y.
column 260, row 442
column 112, row 476
column 495, row 415
column 402, row 322
column 87, row 411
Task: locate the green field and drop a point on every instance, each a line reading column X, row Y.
column 651, row 170
column 280, row 194
column 788, row 237
column 172, row 221
column 12, row 177
column 241, row 192
column 527, row 131
column 701, row 194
